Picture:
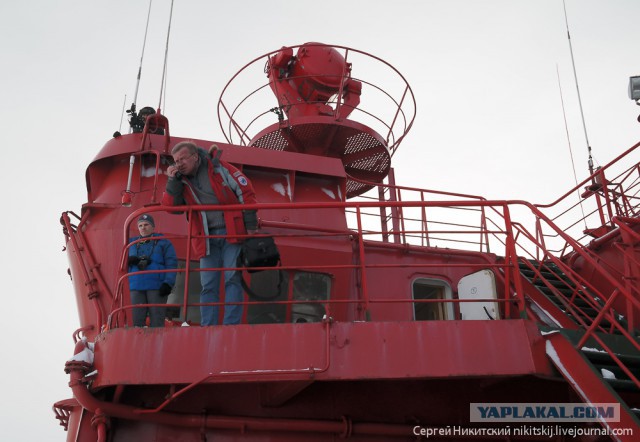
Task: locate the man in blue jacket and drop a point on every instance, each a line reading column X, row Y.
column 150, row 251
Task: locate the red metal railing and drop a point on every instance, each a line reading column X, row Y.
column 359, row 236
column 513, row 243
column 588, row 210
column 518, row 244
column 509, row 232
column 411, row 225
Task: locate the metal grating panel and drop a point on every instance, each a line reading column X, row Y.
column 359, row 142
column 364, row 156
column 272, row 141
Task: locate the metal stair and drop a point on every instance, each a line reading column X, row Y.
column 609, row 370
column 575, row 302
column 583, row 371
column 592, row 370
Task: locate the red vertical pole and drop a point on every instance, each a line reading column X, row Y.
column 363, row 274
column 187, row 269
column 512, row 265
column 395, row 214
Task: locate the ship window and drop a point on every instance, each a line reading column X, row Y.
column 271, row 284
column 431, row 289
column 309, row 287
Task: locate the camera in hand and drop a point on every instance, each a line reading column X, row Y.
column 143, row 262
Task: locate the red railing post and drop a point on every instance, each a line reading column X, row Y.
column 511, row 258
column 363, row 272
column 187, row 269
column 425, row 225
column 484, row 234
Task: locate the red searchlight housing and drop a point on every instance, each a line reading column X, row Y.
column 319, row 72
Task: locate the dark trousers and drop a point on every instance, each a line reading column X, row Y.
column 156, row 314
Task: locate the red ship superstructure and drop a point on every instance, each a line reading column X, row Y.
column 394, row 308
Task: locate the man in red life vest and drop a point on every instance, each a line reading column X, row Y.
column 200, row 178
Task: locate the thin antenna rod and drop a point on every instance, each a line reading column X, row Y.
column 575, row 76
column 166, row 54
column 144, row 44
column 124, row 103
column 164, row 97
column 573, row 164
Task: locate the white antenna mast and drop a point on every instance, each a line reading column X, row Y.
column 144, row 44
column 575, row 76
column 124, row 103
column 166, row 53
column 566, row 129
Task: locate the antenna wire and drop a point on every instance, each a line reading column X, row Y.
column 575, row 76
column 166, row 54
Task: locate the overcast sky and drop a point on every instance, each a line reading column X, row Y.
column 484, row 74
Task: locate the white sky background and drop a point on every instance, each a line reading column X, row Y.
column 489, row 119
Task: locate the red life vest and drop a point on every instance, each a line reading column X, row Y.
column 234, row 220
